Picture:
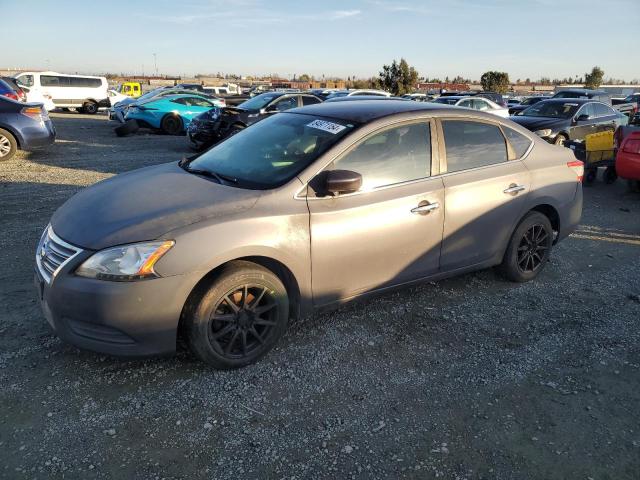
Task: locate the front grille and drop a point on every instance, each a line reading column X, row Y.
column 53, row 253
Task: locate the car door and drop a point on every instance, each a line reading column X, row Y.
column 606, row 117
column 580, row 128
column 389, row 232
column 283, row 103
column 484, row 192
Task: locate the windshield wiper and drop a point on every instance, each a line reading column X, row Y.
column 220, row 178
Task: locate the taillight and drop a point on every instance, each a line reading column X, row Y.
column 578, row 167
column 35, row 112
column 11, row 95
column 631, row 146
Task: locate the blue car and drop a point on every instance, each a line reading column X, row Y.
column 23, row 126
column 170, row 114
column 119, row 110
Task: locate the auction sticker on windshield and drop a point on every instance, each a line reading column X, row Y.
column 330, row 127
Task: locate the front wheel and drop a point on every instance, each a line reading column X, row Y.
column 529, row 248
column 239, row 318
column 8, row 145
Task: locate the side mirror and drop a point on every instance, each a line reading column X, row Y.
column 342, row 181
column 582, row 118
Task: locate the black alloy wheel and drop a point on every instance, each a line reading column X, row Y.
column 171, row 125
column 529, row 248
column 242, row 321
column 532, row 249
column 238, row 317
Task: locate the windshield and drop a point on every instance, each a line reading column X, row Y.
column 337, row 94
column 552, row 109
column 258, row 102
column 273, row 151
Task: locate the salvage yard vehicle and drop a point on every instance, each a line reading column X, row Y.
column 628, row 160
column 23, row 126
column 130, row 89
column 84, row 93
column 559, row 119
column 306, row 209
column 119, row 110
column 526, row 103
column 351, row 93
column 10, row 89
column 171, row 114
column 476, row 103
column 213, row 126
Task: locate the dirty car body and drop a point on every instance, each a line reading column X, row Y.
column 327, row 202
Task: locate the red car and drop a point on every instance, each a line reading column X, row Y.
column 628, row 160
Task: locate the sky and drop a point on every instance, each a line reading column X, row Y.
column 525, row 38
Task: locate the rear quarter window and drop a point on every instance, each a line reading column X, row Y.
column 519, row 142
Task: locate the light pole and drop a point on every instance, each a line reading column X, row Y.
column 155, row 64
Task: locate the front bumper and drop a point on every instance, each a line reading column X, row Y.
column 133, row 319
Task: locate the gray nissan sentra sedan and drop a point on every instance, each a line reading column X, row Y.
column 305, row 209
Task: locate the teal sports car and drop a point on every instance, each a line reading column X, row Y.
column 171, row 114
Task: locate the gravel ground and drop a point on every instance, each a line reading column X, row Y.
column 466, row 378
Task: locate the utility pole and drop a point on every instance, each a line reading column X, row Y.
column 155, row 63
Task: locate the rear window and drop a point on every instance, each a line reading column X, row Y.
column 472, row 144
column 518, row 141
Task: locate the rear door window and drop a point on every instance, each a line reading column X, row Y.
column 309, row 100
column 602, row 110
column 472, row 144
column 287, row 103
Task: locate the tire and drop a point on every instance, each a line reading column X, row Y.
column 127, row 128
column 529, row 248
column 633, row 186
column 224, row 330
column 590, row 176
column 90, row 108
column 560, row 139
column 610, row 175
column 8, row 145
column 171, row 125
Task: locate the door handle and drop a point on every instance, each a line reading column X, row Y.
column 513, row 188
column 425, row 207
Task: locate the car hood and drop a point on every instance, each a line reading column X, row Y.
column 143, row 205
column 538, row 123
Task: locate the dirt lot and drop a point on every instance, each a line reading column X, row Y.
column 467, row 378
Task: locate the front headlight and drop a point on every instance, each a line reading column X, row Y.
column 125, row 263
column 543, row 133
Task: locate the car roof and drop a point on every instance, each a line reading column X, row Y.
column 570, row 100
column 368, row 110
column 179, row 95
column 580, row 90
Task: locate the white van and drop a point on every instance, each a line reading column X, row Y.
column 85, row 93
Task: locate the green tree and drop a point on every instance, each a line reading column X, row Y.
column 304, row 78
column 593, row 79
column 495, row 81
column 398, row 78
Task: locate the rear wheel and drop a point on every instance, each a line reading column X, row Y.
column 529, row 248
column 8, row 145
column 239, row 318
column 171, row 125
column 90, row 107
column 610, row 175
